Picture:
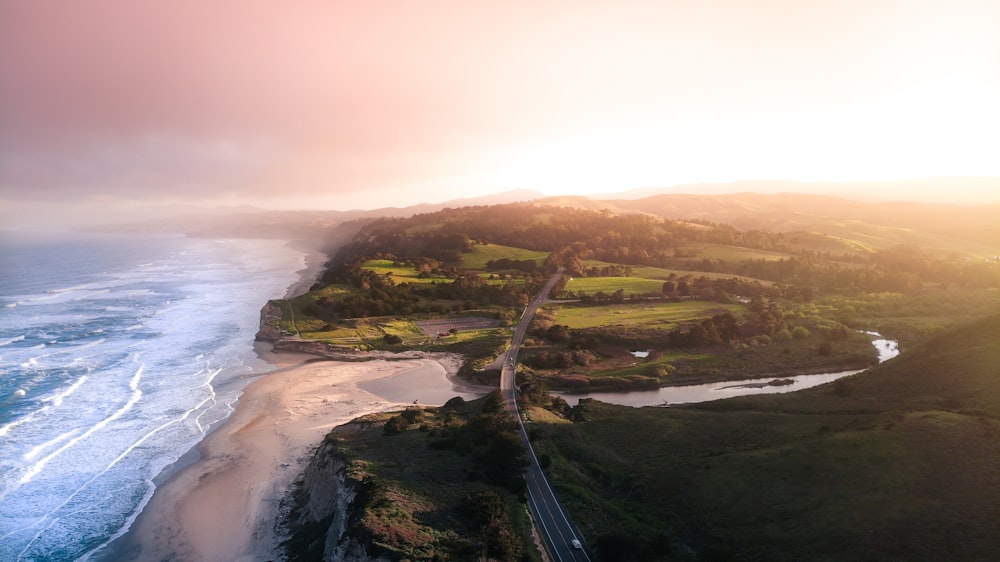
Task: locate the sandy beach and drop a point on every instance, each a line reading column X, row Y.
column 223, row 507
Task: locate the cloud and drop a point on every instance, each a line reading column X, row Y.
column 263, row 98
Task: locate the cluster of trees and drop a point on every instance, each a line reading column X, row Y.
column 487, row 435
column 552, row 359
column 764, row 318
column 505, row 264
column 626, row 239
column 575, row 237
column 486, row 512
column 702, row 288
column 493, row 441
column 378, row 295
column 898, row 270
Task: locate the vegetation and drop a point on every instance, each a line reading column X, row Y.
column 897, row 463
column 436, row 484
column 862, row 468
column 683, row 290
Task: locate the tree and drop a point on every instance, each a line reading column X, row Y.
column 683, row 289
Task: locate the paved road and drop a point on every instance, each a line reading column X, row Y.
column 556, row 529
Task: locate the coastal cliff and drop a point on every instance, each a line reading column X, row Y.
column 424, row 483
column 269, row 317
column 326, row 502
column 269, row 332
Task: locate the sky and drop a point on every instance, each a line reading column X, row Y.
column 116, row 104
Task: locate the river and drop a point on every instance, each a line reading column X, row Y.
column 669, row 395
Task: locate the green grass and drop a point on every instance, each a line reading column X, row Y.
column 662, row 273
column 898, row 463
column 821, row 242
column 732, row 253
column 910, row 318
column 413, row 492
column 608, row 285
column 482, row 253
column 403, row 274
column 665, row 315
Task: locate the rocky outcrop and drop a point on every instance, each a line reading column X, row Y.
column 269, row 317
column 325, row 505
column 342, row 353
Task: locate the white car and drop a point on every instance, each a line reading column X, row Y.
column 576, row 543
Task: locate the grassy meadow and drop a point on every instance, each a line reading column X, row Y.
column 482, row 253
column 898, row 463
column 659, row 314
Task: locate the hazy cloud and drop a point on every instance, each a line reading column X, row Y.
column 251, row 98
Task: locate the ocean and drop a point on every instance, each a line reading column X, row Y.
column 118, row 353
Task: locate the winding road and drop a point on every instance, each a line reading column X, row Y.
column 562, row 539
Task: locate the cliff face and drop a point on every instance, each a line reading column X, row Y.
column 269, row 317
column 325, row 505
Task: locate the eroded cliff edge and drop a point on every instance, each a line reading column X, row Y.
column 325, row 507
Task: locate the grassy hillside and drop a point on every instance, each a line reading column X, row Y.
column 434, row 484
column 899, row 463
column 857, row 225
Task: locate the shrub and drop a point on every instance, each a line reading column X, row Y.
column 782, row 335
column 800, row 332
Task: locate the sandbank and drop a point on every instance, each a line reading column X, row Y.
column 225, row 505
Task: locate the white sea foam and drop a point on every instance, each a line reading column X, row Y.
column 38, row 449
column 136, row 395
column 57, row 400
column 102, row 415
column 9, row 341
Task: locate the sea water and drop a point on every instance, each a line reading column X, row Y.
column 118, row 353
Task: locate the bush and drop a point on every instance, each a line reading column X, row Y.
column 396, row 424
column 782, row 335
column 800, row 332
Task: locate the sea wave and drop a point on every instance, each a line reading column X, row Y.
column 115, row 387
column 135, row 397
column 8, row 341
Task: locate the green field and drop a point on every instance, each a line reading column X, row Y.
column 662, row 315
column 404, row 274
column 732, row 253
column 631, row 285
column 662, row 273
column 482, row 253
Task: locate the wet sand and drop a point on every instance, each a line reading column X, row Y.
column 224, row 506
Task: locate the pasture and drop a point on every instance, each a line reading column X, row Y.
column 732, row 253
column 663, row 273
column 631, row 285
column 652, row 314
column 401, row 274
column 482, row 253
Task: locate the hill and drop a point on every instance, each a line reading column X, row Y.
column 845, row 222
column 898, row 463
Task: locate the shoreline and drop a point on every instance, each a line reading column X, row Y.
column 315, row 261
column 224, row 506
column 247, row 463
column 222, row 499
